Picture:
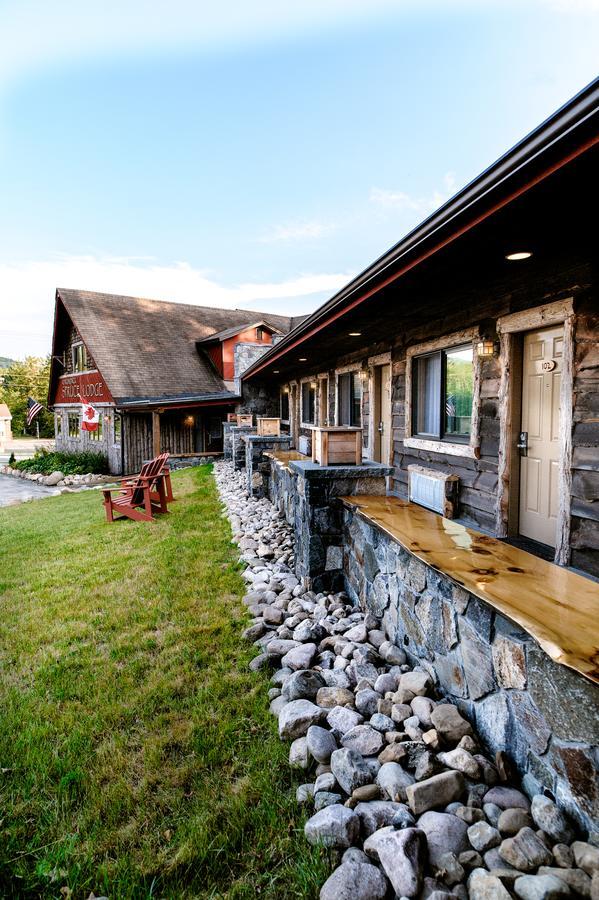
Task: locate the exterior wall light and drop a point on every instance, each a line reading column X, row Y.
column 363, row 374
column 275, row 371
column 486, row 347
column 189, row 420
column 303, row 359
column 355, row 334
column 518, row 255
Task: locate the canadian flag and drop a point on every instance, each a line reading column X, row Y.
column 89, row 420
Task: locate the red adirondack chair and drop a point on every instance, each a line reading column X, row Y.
column 139, row 497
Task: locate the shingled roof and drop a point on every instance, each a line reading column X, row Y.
column 147, row 348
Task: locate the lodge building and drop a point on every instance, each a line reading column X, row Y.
column 466, row 362
column 163, row 376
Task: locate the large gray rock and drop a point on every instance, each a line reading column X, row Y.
column 541, row 887
column 300, row 657
column 355, row 881
column 303, row 685
column 350, row 769
column 321, row 743
column 376, row 814
column 577, row 880
column 334, row 826
column 341, row 720
column 436, row 791
column 507, row 798
column 402, row 855
column 525, row 851
column 296, row 717
column 394, row 781
column 334, row 696
column 298, row 754
column 279, row 647
column 551, row 819
column 483, row 836
column 586, row 856
column 461, row 761
column 483, row 886
column 54, row 478
column 367, row 702
column 448, row 722
column 363, row 738
column 445, row 833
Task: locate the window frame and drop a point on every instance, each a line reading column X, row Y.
column 287, row 393
column 310, row 384
column 75, row 347
column 117, row 420
column 352, row 374
column 449, row 446
column 58, row 425
column 70, row 418
column 97, row 435
column 442, row 435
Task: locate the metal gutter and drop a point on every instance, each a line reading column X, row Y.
column 557, row 127
column 128, row 404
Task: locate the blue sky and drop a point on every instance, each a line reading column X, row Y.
column 254, row 155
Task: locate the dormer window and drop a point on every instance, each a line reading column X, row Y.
column 79, row 356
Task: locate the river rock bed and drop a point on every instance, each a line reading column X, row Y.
column 396, row 780
column 58, row 479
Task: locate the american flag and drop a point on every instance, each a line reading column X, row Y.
column 33, row 408
column 450, row 406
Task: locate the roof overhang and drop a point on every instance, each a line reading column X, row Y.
column 131, row 404
column 568, row 134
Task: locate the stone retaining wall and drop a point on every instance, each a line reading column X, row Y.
column 257, row 466
column 541, row 713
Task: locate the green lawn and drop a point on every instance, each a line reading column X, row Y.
column 137, row 754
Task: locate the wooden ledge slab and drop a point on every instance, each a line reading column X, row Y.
column 557, row 607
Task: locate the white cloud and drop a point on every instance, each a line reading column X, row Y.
column 297, row 231
column 401, row 200
column 28, row 292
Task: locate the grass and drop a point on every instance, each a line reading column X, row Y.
column 137, row 754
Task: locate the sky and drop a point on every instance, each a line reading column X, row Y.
column 252, row 155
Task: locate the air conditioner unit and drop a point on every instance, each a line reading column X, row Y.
column 304, row 445
column 435, row 490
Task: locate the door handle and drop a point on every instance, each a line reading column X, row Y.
column 522, row 444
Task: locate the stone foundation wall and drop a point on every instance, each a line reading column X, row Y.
column 237, row 444
column 257, row 466
column 543, row 715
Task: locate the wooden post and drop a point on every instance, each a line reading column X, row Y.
column 156, row 434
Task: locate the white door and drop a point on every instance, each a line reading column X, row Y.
column 382, row 414
column 541, row 383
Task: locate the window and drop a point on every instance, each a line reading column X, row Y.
column 73, row 425
column 323, row 401
column 79, row 358
column 285, row 405
column 118, row 428
column 308, row 398
column 98, row 434
column 443, row 385
column 58, row 424
column 350, row 399
column 259, row 334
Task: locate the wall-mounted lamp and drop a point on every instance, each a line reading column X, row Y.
column 286, row 390
column 313, row 384
column 486, row 347
column 189, row 420
column 363, row 374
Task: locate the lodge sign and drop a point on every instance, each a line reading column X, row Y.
column 88, row 386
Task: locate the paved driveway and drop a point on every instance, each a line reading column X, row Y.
column 13, row 491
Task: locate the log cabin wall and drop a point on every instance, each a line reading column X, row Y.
column 137, row 435
column 177, row 432
column 479, row 489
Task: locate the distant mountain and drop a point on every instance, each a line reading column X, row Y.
column 5, row 362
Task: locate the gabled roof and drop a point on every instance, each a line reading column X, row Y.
column 235, row 329
column 147, row 348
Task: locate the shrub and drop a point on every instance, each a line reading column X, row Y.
column 12, row 459
column 44, row 462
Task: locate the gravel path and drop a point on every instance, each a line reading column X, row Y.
column 397, row 780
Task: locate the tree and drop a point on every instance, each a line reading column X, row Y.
column 22, row 379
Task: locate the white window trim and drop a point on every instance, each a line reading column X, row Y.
column 470, row 450
column 74, row 346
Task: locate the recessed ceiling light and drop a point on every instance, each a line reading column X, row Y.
column 276, row 371
column 303, row 359
column 355, row 334
column 520, row 254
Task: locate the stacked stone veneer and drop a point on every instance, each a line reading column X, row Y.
column 237, row 444
column 258, row 466
column 308, row 496
column 542, row 714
